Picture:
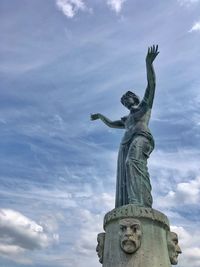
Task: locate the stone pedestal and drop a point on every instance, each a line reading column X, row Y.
column 147, row 226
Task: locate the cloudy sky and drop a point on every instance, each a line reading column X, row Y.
column 62, row 60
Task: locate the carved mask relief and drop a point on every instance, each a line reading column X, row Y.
column 173, row 247
column 130, row 235
column 100, row 246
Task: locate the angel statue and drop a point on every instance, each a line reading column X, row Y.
column 133, row 183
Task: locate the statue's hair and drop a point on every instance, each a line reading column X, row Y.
column 130, row 94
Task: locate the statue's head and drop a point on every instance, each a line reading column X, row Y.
column 130, row 235
column 130, row 99
column 173, row 247
column 100, row 246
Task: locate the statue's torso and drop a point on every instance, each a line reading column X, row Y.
column 136, row 124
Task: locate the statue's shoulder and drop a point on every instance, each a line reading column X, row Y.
column 144, row 105
column 123, row 119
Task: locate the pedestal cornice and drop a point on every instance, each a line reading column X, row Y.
column 133, row 211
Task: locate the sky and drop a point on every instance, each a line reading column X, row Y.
column 62, row 60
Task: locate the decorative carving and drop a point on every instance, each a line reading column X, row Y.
column 136, row 212
column 100, row 246
column 173, row 247
column 130, row 235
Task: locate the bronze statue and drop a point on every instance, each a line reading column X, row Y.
column 133, row 183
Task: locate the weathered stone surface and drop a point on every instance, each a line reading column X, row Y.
column 173, row 247
column 100, row 246
column 133, row 211
column 152, row 252
column 130, row 235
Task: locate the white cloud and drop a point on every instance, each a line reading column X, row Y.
column 70, row 7
column 116, row 5
column 186, row 193
column 175, row 178
column 19, row 234
column 10, row 249
column 195, row 27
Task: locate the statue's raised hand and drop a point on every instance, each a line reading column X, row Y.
column 152, row 54
column 95, row 116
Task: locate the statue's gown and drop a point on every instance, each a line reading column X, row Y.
column 133, row 183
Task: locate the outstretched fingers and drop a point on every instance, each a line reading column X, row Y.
column 153, row 49
column 156, row 50
column 94, row 116
column 152, row 53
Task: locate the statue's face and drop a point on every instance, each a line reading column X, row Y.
column 128, row 102
column 100, row 246
column 130, row 235
column 173, row 247
column 129, row 99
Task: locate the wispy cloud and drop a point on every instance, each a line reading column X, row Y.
column 187, row 2
column 116, row 5
column 70, row 7
column 195, row 27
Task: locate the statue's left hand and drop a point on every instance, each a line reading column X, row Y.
column 152, row 54
column 94, row 116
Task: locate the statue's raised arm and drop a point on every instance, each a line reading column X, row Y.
column 151, row 77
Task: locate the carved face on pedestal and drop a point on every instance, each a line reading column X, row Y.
column 130, row 235
column 173, row 247
column 100, row 246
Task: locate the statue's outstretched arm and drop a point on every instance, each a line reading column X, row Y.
column 151, row 77
column 113, row 124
